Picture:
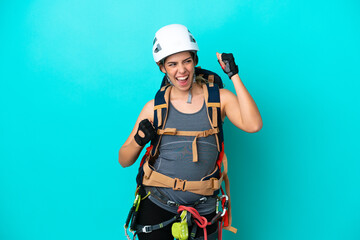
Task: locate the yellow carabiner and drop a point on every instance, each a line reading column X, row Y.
column 180, row 230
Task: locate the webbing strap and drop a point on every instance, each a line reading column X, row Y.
column 214, row 117
column 214, row 104
column 174, row 131
column 156, row 179
column 211, row 80
column 211, row 104
column 160, row 106
column 227, row 189
column 163, row 88
column 160, row 109
column 150, row 228
column 159, row 117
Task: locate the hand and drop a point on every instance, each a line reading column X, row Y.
column 227, row 63
column 147, row 131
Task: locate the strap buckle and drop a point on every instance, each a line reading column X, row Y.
column 214, row 183
column 211, row 131
column 179, row 184
column 202, row 200
column 205, row 133
column 171, row 203
column 146, row 229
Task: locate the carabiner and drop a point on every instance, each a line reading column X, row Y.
column 225, row 205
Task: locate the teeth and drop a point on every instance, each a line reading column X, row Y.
column 183, row 78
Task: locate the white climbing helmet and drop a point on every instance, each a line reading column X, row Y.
column 172, row 39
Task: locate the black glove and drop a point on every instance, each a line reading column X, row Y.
column 147, row 128
column 230, row 67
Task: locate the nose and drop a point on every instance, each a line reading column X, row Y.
column 182, row 68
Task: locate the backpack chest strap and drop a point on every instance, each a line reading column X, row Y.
column 196, row 134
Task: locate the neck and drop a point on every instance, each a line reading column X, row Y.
column 179, row 94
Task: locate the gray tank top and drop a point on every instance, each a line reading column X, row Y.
column 175, row 159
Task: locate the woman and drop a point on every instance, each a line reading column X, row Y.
column 175, row 52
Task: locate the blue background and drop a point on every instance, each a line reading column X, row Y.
column 75, row 75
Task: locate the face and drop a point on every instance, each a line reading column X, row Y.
column 180, row 69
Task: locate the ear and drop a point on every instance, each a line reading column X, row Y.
column 161, row 66
column 196, row 59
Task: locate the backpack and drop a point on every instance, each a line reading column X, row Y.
column 209, row 185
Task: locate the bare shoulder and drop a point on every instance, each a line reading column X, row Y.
column 148, row 111
column 225, row 92
column 226, row 96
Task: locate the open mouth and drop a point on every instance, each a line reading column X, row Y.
column 182, row 80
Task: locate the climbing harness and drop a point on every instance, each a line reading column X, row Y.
column 155, row 193
column 187, row 217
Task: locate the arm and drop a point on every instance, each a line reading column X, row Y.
column 241, row 108
column 130, row 150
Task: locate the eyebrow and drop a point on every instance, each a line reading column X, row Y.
column 182, row 61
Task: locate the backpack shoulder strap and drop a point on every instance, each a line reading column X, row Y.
column 159, row 106
column 161, row 103
column 212, row 100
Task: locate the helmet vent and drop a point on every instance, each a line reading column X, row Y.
column 154, row 41
column 157, row 49
column 192, row 39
